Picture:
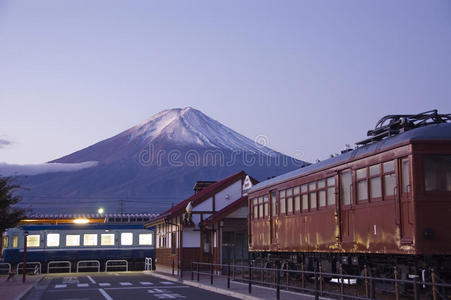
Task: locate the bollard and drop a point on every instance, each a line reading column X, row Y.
column 211, row 274
column 434, row 288
column 395, row 275
column 365, row 271
column 197, row 272
column 278, row 284
column 228, row 277
column 250, row 279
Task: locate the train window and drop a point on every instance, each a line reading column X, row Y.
column 107, row 239
column 322, row 198
column 361, row 173
column 290, row 200
column 345, row 187
column 34, row 240
column 331, row 191
column 145, row 239
column 260, row 207
column 313, row 200
column 375, row 170
column 90, row 239
column 5, row 241
column 126, row 238
column 321, row 183
column 282, row 202
column 362, row 190
column 72, row 240
column 389, row 166
column 304, row 188
column 437, row 173
column 297, row 203
column 266, row 204
column 274, row 203
column 15, row 241
column 305, row 202
column 389, row 184
column 53, row 240
column 375, row 187
column 405, row 176
column 312, row 186
column 254, row 207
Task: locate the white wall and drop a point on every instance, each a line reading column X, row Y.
column 233, row 192
column 191, row 238
column 207, row 205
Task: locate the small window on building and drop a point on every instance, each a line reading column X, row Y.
column 126, row 238
column 15, row 241
column 207, row 242
column 5, row 241
column 90, row 239
column 34, row 240
column 72, row 240
column 107, row 239
column 145, row 239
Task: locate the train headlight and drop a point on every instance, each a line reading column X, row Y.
column 81, row 221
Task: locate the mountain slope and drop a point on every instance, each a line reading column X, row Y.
column 152, row 165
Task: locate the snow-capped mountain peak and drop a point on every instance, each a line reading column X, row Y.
column 189, row 126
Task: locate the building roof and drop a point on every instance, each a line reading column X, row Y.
column 199, row 197
column 221, row 214
column 434, row 132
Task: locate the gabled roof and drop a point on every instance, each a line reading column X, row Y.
column 221, row 214
column 198, row 197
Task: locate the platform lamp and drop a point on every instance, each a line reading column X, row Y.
column 24, row 268
column 100, row 211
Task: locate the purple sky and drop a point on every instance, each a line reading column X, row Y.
column 310, row 75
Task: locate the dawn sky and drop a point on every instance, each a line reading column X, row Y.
column 310, row 75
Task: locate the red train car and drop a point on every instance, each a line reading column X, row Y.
column 385, row 203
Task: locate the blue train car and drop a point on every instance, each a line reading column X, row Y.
column 76, row 242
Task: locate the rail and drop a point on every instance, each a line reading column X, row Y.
column 148, row 264
column 59, row 265
column 5, row 267
column 337, row 285
column 29, row 266
column 116, row 263
column 90, row 264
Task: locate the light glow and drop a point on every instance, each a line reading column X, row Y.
column 81, row 221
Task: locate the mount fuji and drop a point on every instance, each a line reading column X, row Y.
column 151, row 166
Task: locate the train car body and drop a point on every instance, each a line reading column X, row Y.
column 387, row 202
column 76, row 242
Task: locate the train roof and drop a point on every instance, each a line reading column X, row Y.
column 82, row 226
column 433, row 132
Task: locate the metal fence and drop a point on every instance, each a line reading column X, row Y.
column 32, row 266
column 148, row 264
column 5, row 268
column 88, row 265
column 58, row 265
column 116, row 264
column 335, row 285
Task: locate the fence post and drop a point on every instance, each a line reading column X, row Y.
column 197, row 272
column 321, row 278
column 372, row 287
column 415, row 288
column 316, row 282
column 250, row 279
column 228, row 277
column 172, row 267
column 342, row 287
column 278, row 283
column 211, row 274
column 302, row 275
column 365, row 270
column 192, row 271
column 434, row 288
column 395, row 274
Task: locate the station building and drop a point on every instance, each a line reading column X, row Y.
column 210, row 226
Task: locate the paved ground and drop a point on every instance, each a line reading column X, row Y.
column 101, row 286
column 14, row 288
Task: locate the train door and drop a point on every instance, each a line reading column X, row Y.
column 346, row 206
column 272, row 219
column 405, row 202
